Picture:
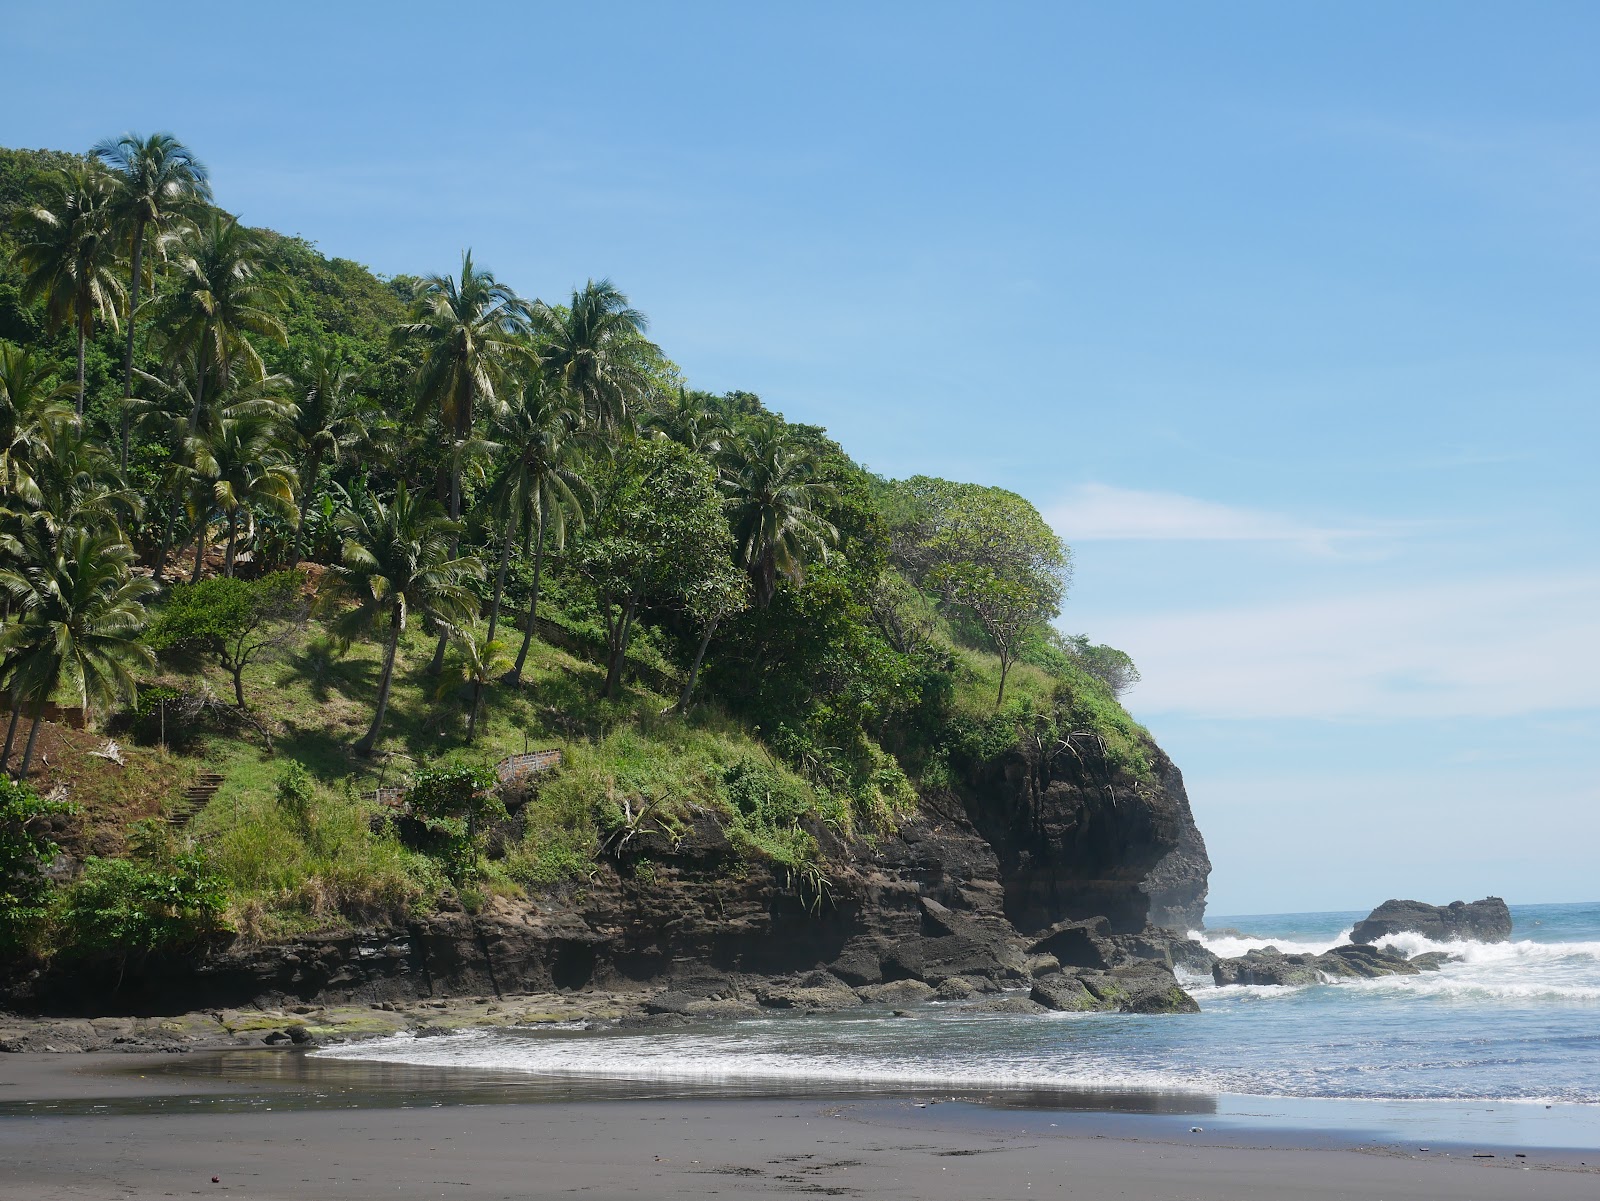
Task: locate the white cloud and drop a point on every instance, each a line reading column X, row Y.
column 1100, row 513
column 1484, row 647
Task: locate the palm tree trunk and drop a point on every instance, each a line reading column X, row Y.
column 307, row 487
column 463, row 432
column 200, row 551
column 233, row 526
column 694, row 668
column 127, row 354
column 500, row 581
column 83, row 339
column 1005, row 666
column 33, row 734
column 11, row 732
column 533, row 602
column 369, row 740
column 477, row 703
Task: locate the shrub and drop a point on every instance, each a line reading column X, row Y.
column 24, row 851
column 450, row 808
column 122, row 908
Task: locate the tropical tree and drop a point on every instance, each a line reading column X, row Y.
column 238, row 465
column 398, row 560
column 594, row 347
column 161, row 181
column 472, row 334
column 31, row 404
column 479, row 660
column 218, row 298
column 692, row 421
column 78, row 483
column 68, row 253
column 773, row 494
column 330, row 421
column 656, row 536
column 79, row 613
column 540, row 489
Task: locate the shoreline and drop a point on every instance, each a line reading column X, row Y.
column 279, row 1123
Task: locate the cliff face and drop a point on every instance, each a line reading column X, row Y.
column 966, row 887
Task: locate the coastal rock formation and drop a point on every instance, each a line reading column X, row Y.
column 1032, row 867
column 1270, row 966
column 1488, row 920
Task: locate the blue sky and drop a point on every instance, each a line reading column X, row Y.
column 1286, row 317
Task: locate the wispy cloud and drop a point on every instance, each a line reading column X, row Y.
column 1101, row 512
column 1473, row 647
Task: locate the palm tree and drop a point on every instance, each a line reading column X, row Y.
column 477, row 666
column 218, row 299
column 773, row 493
column 595, row 348
column 331, row 421
column 398, row 558
column 471, row 332
column 693, row 422
column 68, row 253
column 162, row 181
column 539, row 490
column 30, row 405
column 238, row 463
column 79, row 484
column 81, row 613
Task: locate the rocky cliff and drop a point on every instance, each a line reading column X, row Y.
column 979, row 886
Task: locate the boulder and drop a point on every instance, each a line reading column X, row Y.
column 1488, row 920
column 1267, row 965
column 1432, row 961
column 1013, row 1003
column 861, row 962
column 1063, row 993
column 1354, row 959
column 954, row 989
column 816, row 990
column 1140, row 988
column 896, row 992
column 1079, row 944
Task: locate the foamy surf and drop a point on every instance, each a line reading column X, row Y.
column 1506, row 1022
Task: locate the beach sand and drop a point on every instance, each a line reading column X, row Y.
column 262, row 1143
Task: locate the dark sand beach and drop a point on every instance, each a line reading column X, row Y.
column 109, row 1127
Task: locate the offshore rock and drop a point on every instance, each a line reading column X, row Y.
column 1488, row 920
column 1269, row 966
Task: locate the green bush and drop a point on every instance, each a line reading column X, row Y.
column 451, row 807
column 122, row 908
column 24, row 852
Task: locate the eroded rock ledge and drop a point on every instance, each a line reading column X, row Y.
column 1053, row 876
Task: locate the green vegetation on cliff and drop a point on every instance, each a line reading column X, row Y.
column 312, row 550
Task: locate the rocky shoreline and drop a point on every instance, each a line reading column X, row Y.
column 1041, row 880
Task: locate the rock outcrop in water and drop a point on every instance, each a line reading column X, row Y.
column 1270, row 966
column 1488, row 920
column 1058, row 873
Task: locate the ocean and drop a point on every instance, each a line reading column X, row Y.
column 1514, row 1024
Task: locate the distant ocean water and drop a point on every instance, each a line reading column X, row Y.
column 1516, row 1021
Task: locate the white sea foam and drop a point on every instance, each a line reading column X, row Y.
column 1227, row 946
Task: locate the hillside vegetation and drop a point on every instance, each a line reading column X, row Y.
column 308, row 551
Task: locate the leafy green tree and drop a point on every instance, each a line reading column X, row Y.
column 398, row 559
column 78, row 483
column 992, row 555
column 69, row 253
column 218, row 297
column 234, row 621
column 710, row 601
column 594, row 347
column 773, row 496
column 540, row 489
column 330, row 421
column 79, row 614
column 161, row 182
column 25, row 849
column 454, row 803
column 471, row 332
column 30, row 405
column 1113, row 668
column 480, row 659
column 657, row 535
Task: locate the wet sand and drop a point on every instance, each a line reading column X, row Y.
column 272, row 1135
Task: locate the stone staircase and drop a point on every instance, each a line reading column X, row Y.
column 195, row 798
